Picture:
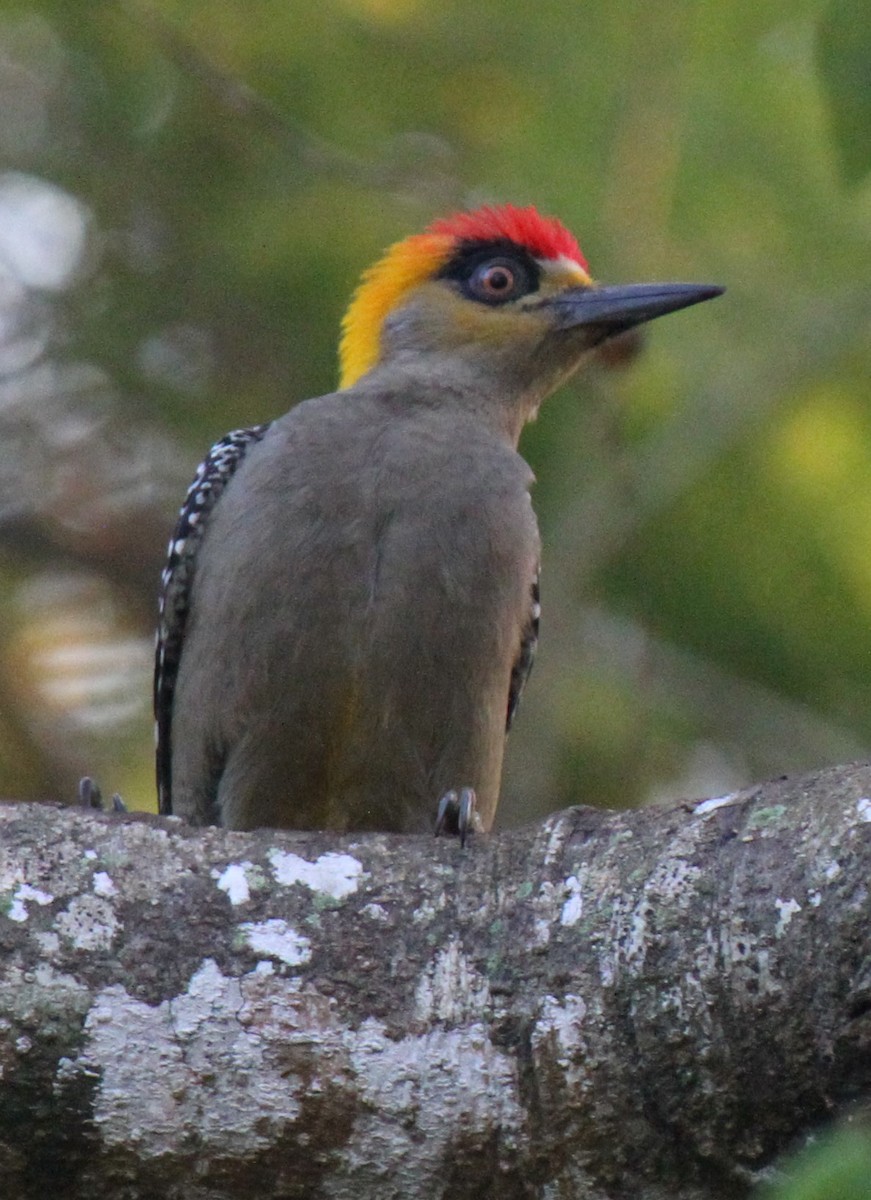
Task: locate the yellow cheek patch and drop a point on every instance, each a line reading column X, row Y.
column 405, row 266
column 470, row 322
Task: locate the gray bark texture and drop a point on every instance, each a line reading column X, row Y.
column 643, row 1004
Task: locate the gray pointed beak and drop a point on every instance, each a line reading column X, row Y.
column 614, row 309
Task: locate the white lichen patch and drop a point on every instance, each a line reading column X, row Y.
column 786, row 910
column 429, row 909
column 558, row 830
column 103, row 884
column 48, row 978
column 23, row 893
column 863, row 808
column 416, row 1094
column 557, row 904
column 547, row 906
column 287, row 1012
column 635, row 944
column 747, row 964
column 832, row 871
column 335, row 875
column 71, row 867
column 135, row 844
column 234, row 881
column 709, row 806
column 541, row 928
column 11, row 873
column 47, row 942
column 89, row 922
column 276, row 939
column 375, row 912
column 450, row 988
column 26, row 994
column 573, row 908
column 185, row 1063
column 673, row 880
column 558, row 1035
column 216, row 1059
column 814, row 899
column 204, row 999
column 607, row 970
column 669, row 886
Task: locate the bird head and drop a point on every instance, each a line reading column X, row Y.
column 499, row 298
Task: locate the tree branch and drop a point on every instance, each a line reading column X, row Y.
column 649, row 1004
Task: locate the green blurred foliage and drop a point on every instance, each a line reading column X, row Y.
column 845, row 68
column 706, row 511
column 837, row 1167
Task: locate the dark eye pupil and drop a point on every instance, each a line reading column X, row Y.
column 497, row 279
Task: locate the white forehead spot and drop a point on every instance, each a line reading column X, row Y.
column 565, row 269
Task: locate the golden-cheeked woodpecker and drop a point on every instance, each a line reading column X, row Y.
column 350, row 607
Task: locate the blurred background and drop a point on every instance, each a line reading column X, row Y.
column 188, row 192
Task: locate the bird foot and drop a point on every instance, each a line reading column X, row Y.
column 90, row 796
column 457, row 816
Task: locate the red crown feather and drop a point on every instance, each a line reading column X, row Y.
column 543, row 237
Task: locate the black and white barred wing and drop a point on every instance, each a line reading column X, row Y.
column 213, row 475
column 526, row 655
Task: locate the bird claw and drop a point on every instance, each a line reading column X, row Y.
column 456, row 815
column 90, row 796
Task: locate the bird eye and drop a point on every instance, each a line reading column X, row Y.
column 498, row 280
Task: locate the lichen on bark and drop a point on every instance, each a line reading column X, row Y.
column 642, row 1004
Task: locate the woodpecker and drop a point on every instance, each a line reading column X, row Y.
column 350, row 606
